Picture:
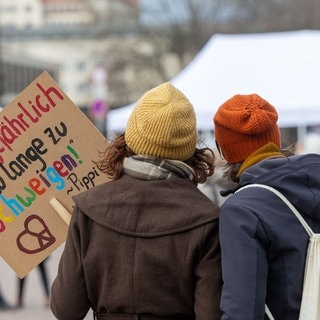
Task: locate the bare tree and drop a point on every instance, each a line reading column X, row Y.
column 187, row 24
column 176, row 30
column 271, row 15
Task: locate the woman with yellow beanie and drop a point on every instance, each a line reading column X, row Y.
column 145, row 245
column 263, row 244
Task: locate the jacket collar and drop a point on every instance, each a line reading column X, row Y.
column 270, row 150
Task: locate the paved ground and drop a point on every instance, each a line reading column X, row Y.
column 34, row 300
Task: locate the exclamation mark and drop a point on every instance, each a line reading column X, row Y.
column 74, row 153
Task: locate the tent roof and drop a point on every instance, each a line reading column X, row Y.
column 282, row 67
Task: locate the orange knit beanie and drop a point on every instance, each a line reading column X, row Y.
column 244, row 124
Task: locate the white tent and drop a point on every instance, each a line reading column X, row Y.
column 284, row 68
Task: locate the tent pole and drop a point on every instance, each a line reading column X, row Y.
column 301, row 133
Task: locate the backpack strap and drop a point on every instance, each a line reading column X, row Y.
column 268, row 313
column 292, row 208
column 286, row 201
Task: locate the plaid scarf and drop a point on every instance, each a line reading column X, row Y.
column 152, row 168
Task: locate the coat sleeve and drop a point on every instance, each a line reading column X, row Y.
column 208, row 279
column 69, row 299
column 244, row 264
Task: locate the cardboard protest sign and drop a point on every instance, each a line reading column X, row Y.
column 47, row 152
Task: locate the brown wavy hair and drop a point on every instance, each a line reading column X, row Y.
column 111, row 163
column 231, row 169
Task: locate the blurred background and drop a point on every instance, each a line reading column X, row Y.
column 106, row 53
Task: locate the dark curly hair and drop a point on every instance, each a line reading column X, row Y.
column 202, row 161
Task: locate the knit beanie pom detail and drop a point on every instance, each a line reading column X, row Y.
column 162, row 124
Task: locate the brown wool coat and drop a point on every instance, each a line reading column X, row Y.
column 141, row 247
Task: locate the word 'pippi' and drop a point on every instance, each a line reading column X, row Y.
column 82, row 183
column 37, row 186
column 12, row 128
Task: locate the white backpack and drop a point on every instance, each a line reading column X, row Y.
column 310, row 303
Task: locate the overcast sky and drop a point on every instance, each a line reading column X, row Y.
column 164, row 11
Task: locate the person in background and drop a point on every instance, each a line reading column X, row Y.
column 145, row 245
column 45, row 283
column 263, row 244
column 3, row 303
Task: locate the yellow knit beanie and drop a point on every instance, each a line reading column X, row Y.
column 243, row 124
column 162, row 124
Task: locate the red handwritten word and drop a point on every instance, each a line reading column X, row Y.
column 12, row 129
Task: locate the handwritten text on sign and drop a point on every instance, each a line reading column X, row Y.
column 47, row 149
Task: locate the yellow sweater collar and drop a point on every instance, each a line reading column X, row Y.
column 267, row 151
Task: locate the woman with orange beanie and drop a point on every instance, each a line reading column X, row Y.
column 263, row 244
column 145, row 245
